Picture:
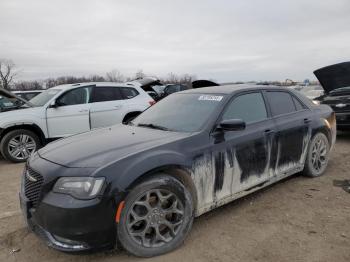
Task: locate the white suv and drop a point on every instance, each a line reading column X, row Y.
column 66, row 110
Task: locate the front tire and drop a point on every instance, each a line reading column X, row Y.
column 317, row 156
column 157, row 217
column 17, row 145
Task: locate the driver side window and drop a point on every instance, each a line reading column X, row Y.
column 75, row 97
column 248, row 107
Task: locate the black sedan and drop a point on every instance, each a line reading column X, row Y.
column 141, row 185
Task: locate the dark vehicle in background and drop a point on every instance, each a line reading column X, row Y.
column 154, row 87
column 28, row 94
column 161, row 91
column 142, row 184
column 335, row 80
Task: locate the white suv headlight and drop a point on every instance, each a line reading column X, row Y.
column 79, row 187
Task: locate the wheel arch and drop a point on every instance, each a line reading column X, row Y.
column 324, row 130
column 31, row 127
column 178, row 172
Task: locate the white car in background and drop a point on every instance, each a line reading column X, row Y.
column 67, row 110
column 27, row 94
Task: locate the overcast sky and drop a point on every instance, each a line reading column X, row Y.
column 224, row 40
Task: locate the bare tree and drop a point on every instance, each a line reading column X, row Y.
column 139, row 74
column 115, row 76
column 7, row 73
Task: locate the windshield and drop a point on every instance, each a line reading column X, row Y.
column 179, row 112
column 44, row 97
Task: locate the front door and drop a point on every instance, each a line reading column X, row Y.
column 242, row 159
column 70, row 115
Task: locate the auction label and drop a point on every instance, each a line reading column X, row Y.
column 210, row 98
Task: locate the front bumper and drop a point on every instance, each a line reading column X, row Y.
column 65, row 223
column 343, row 119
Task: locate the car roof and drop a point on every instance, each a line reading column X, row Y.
column 97, row 84
column 27, row 91
column 229, row 89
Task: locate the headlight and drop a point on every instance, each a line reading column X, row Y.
column 79, row 187
column 316, row 102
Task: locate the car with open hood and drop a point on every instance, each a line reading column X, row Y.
column 9, row 101
column 140, row 185
column 335, row 80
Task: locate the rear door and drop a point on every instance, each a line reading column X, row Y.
column 292, row 120
column 71, row 115
column 107, row 107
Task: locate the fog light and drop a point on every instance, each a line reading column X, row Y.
column 67, row 243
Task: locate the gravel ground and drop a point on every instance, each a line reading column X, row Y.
column 298, row 219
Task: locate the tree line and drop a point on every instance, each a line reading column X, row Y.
column 8, row 74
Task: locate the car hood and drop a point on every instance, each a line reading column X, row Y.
column 334, row 76
column 97, row 148
column 18, row 113
column 146, row 83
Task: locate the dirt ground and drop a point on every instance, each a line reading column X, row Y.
column 298, row 219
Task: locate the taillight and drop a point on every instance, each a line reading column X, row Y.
column 151, row 103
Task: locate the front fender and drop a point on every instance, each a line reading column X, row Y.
column 125, row 172
column 22, row 117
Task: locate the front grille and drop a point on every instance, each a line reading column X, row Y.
column 33, row 182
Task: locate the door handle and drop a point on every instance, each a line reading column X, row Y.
column 83, row 110
column 307, row 120
column 269, row 131
column 117, row 106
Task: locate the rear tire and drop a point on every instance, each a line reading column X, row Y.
column 317, row 156
column 157, row 217
column 17, row 145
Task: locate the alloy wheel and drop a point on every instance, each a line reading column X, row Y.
column 21, row 146
column 319, row 154
column 155, row 218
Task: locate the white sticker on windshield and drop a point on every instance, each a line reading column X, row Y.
column 210, row 98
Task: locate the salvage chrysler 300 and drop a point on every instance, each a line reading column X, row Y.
column 142, row 184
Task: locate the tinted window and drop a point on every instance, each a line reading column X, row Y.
column 299, row 106
column 106, row 93
column 75, row 97
column 249, row 107
column 129, row 92
column 280, row 103
column 181, row 112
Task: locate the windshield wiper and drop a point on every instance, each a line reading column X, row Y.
column 153, row 126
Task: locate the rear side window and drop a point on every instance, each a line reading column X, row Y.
column 128, row 92
column 280, row 103
column 249, row 107
column 106, row 93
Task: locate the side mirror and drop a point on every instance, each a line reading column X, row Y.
column 232, row 125
column 54, row 104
